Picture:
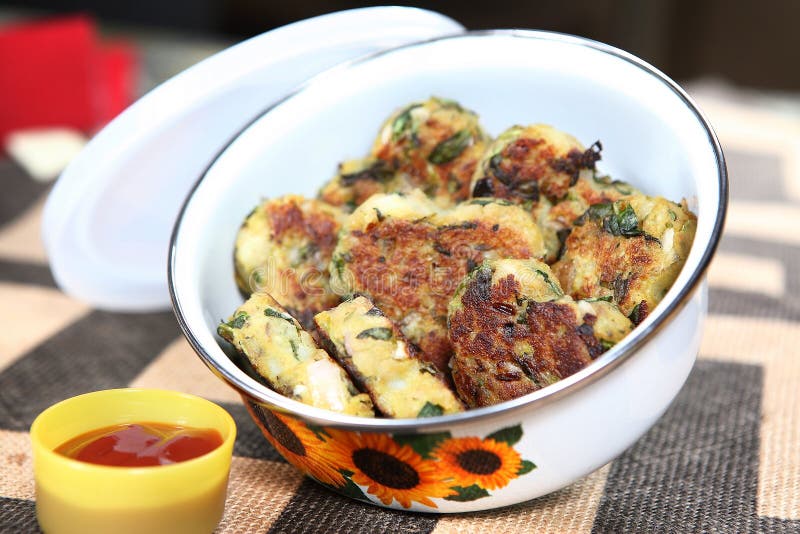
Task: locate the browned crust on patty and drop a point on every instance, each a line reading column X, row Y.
column 409, row 257
column 561, row 345
column 449, row 180
column 357, row 180
column 290, row 220
column 623, row 266
column 419, row 265
column 631, row 250
column 284, row 247
column 412, row 150
column 507, row 344
column 531, row 165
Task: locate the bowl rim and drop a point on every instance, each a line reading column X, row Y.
column 537, row 399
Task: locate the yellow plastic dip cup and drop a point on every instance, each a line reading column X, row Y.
column 79, row 497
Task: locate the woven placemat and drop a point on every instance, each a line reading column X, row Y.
column 724, row 458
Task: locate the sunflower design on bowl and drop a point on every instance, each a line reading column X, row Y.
column 477, row 465
column 397, row 468
column 301, row 445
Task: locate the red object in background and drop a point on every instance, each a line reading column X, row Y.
column 55, row 72
column 116, row 80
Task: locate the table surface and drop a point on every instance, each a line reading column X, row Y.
column 725, row 457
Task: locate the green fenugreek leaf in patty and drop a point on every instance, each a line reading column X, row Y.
column 403, row 121
column 553, row 285
column 381, row 333
column 377, row 172
column 450, row 148
column 269, row 312
column 617, row 218
column 430, row 410
column 238, row 320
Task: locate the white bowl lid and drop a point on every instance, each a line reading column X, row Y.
column 108, row 219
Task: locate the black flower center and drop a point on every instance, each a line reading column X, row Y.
column 385, row 469
column 479, row 461
column 282, row 433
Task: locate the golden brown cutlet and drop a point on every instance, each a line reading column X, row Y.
column 408, row 256
column 514, row 331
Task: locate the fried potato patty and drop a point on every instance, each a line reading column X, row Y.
column 358, row 179
column 407, row 255
column 379, row 359
column 283, row 248
column 436, row 145
column 288, row 359
column 630, row 250
column 556, row 220
column 514, row 331
column 526, row 162
column 586, row 192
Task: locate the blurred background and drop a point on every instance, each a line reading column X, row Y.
column 123, row 49
column 748, row 43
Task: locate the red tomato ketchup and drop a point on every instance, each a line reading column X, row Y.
column 141, row 444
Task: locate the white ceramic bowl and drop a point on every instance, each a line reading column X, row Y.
column 653, row 136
